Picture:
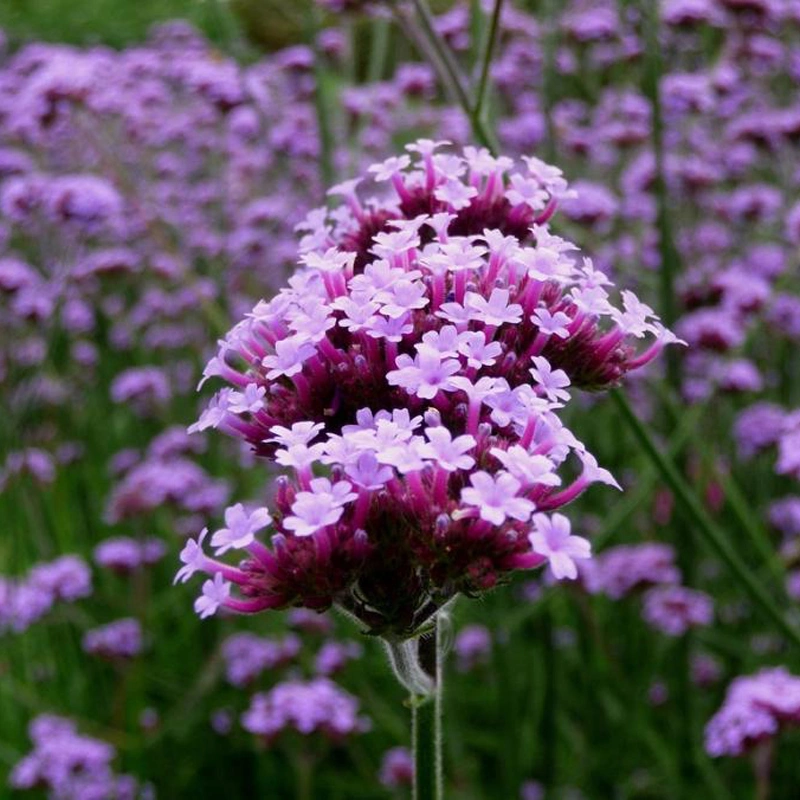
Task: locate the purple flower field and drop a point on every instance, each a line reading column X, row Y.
column 410, row 411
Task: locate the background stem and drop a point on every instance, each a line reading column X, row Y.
column 703, row 523
column 486, row 61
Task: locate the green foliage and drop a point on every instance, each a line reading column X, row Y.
column 111, row 22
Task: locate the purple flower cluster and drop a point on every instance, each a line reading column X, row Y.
column 420, row 354
column 621, row 570
column 333, row 656
column 730, row 132
column 121, row 639
column 25, row 600
column 315, row 706
column 71, row 766
column 397, row 768
column 472, row 646
column 756, row 707
column 32, row 461
column 156, row 482
column 125, row 555
column 674, row 609
column 246, row 655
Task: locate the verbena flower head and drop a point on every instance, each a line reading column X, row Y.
column 409, row 378
column 473, row 646
column 70, row 765
column 246, row 655
column 118, row 640
column 756, row 707
column 397, row 768
column 308, row 707
column 674, row 609
column 25, row 600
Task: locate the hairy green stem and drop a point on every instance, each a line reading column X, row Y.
column 426, row 722
column 703, row 523
column 426, row 737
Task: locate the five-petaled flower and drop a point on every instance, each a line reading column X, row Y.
column 552, row 537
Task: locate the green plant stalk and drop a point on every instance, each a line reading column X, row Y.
column 668, row 269
column 378, row 50
column 551, row 705
column 443, row 51
column 321, row 105
column 550, row 28
column 737, row 502
column 441, row 59
column 704, row 524
column 426, row 722
column 479, row 109
column 670, row 259
column 686, row 428
column 426, row 739
column 422, row 43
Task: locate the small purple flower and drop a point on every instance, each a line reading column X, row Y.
column 322, row 506
column 192, row 557
column 215, row 593
column 241, row 528
column 552, row 538
column 552, row 382
column 316, row 706
column 495, row 497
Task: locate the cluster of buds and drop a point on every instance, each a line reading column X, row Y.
column 409, row 377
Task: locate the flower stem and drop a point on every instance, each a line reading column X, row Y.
column 322, row 106
column 442, row 50
column 426, row 738
column 669, row 256
column 437, row 52
column 704, row 524
column 486, row 62
column 426, row 724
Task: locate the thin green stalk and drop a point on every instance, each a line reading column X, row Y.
column 378, row 50
column 670, row 259
column 321, row 105
column 426, row 49
column 454, row 73
column 549, row 76
column 633, row 500
column 704, row 524
column 550, row 711
column 438, row 54
column 479, row 108
column 737, row 502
